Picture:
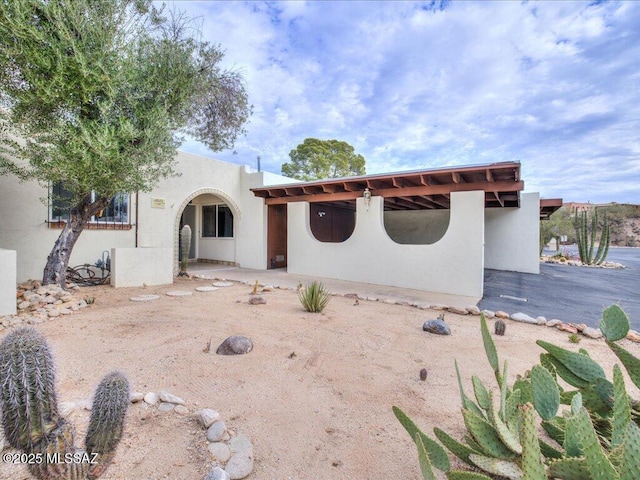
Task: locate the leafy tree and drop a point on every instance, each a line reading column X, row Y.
column 97, row 94
column 317, row 159
column 559, row 224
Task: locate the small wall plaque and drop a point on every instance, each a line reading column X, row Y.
column 157, row 202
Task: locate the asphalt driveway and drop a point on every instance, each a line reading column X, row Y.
column 571, row 294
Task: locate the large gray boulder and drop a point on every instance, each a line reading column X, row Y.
column 235, row 345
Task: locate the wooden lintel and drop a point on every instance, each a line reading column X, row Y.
column 404, row 192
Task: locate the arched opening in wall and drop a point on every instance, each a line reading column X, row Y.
column 332, row 222
column 415, row 226
column 212, row 216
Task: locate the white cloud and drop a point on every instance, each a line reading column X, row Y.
column 551, row 84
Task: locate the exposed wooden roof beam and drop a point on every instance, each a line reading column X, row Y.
column 425, row 180
column 455, row 176
column 488, row 175
column 329, row 187
column 443, row 203
column 497, row 196
column 404, row 192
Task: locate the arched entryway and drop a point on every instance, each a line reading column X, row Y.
column 215, row 217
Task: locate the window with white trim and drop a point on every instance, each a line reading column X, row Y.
column 217, row 221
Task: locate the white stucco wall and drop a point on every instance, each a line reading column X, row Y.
column 24, row 228
column 512, row 236
column 7, row 282
column 453, row 265
column 135, row 267
column 416, row 227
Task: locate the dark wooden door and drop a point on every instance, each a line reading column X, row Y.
column 277, row 236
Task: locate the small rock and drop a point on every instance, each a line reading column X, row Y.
column 54, row 313
column 235, row 345
column 633, row 336
column 223, row 284
column 24, row 305
column 488, row 314
column 541, row 320
column 257, row 300
column 473, row 310
column 592, row 332
column 565, row 327
column 438, row 306
column 522, row 317
column 239, row 466
column 423, row 374
column 458, row 310
column 501, row 314
column 136, row 397
column 67, row 407
column 167, row 397
column 220, row 451
column 439, row 327
column 240, row 443
column 208, row 417
column 553, row 322
column 217, row 431
column 181, row 410
column 151, row 398
column 268, row 288
column 166, row 407
column 217, row 473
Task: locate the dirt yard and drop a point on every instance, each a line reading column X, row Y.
column 314, row 396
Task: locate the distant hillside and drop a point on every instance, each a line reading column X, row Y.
column 624, row 221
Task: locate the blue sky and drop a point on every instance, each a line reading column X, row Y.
column 553, row 84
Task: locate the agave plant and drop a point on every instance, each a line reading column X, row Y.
column 314, row 297
column 597, row 436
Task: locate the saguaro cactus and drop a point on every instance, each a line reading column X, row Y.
column 31, row 419
column 586, row 237
column 185, row 247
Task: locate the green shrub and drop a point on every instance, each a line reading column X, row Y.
column 596, row 436
column 314, row 297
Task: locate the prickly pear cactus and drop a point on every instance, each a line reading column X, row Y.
column 597, row 438
column 30, row 414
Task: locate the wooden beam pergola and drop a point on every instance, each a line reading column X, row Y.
column 420, row 189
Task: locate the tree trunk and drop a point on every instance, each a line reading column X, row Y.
column 55, row 271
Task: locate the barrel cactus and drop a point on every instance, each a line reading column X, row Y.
column 185, row 247
column 32, row 422
column 499, row 327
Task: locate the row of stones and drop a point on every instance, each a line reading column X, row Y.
column 583, row 329
column 578, row 263
column 232, row 452
column 37, row 303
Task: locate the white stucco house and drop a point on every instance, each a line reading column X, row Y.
column 434, row 230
